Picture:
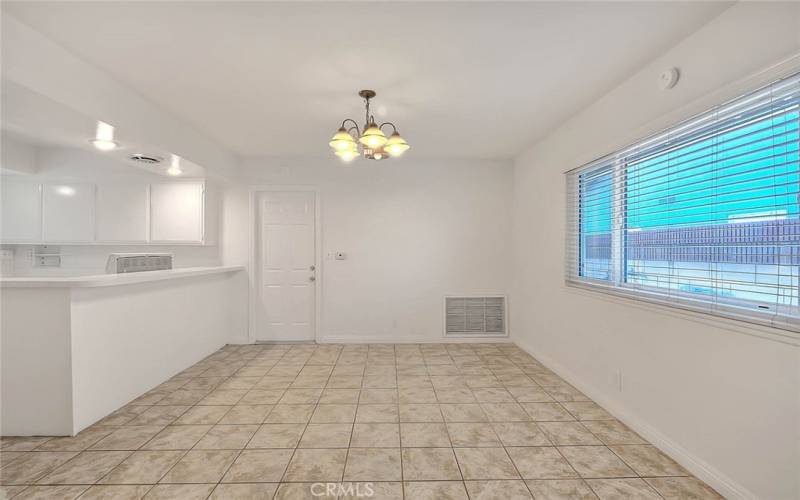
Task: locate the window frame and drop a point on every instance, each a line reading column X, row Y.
column 779, row 316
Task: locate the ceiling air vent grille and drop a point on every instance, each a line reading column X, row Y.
column 146, row 159
column 475, row 316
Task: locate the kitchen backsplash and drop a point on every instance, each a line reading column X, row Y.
column 76, row 260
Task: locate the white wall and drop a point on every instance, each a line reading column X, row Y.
column 16, row 156
column 71, row 355
column 128, row 339
column 412, row 230
column 713, row 393
column 35, row 362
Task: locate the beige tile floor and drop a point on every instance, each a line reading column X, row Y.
column 437, row 421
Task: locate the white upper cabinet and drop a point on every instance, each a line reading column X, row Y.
column 21, row 210
column 121, row 213
column 176, row 212
column 108, row 213
column 68, row 212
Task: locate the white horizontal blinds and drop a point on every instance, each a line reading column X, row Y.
column 705, row 213
column 596, row 228
column 593, row 195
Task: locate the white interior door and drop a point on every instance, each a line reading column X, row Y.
column 287, row 297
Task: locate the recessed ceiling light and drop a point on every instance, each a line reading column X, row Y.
column 104, row 137
column 65, row 190
column 175, row 166
column 104, row 145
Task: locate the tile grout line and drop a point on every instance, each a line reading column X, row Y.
column 244, row 447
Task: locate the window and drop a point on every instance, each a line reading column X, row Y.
column 705, row 215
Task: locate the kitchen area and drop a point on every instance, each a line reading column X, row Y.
column 111, row 275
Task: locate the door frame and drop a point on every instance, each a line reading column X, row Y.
column 254, row 256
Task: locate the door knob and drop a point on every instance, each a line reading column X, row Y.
column 312, row 267
column 312, row 278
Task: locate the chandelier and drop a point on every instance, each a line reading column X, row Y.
column 374, row 143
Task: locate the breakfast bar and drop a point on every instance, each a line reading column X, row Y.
column 76, row 348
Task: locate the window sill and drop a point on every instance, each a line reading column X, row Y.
column 789, row 335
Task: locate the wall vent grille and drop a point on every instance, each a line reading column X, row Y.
column 475, row 316
column 134, row 263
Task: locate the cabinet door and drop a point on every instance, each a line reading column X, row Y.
column 21, row 210
column 68, row 212
column 176, row 212
column 121, row 212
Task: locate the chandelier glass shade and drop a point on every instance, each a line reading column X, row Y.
column 372, row 137
column 396, row 145
column 374, row 145
column 342, row 140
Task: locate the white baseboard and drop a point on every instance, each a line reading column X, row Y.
column 381, row 339
column 378, row 339
column 724, row 485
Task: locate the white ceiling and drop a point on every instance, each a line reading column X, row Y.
column 469, row 80
column 40, row 122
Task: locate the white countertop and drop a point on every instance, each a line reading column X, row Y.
column 111, row 279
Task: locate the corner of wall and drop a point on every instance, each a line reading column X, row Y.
column 724, row 485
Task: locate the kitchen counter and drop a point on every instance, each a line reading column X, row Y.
column 74, row 349
column 111, row 279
